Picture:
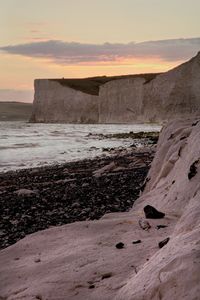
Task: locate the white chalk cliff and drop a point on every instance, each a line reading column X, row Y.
column 66, row 262
column 56, row 103
column 126, row 100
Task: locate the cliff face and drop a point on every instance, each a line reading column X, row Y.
column 121, row 101
column 173, row 94
column 56, row 103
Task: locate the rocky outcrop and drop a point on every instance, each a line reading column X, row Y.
column 128, row 99
column 114, row 258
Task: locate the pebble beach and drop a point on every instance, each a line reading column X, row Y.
column 38, row 198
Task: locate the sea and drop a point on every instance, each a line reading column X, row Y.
column 27, row 145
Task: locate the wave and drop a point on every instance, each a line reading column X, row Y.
column 22, row 145
column 4, row 136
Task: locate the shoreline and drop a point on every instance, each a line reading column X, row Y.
column 27, row 146
column 38, row 198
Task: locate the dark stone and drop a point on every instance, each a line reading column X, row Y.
column 163, row 243
column 193, row 169
column 137, row 242
column 92, row 286
column 161, row 226
column 133, row 146
column 179, row 151
column 119, row 245
column 171, row 136
column 106, row 275
column 182, row 138
column 153, row 140
column 152, row 213
column 195, row 123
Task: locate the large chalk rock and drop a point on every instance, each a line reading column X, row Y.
column 174, row 271
column 80, row 260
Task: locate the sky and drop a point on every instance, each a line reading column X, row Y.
column 83, row 38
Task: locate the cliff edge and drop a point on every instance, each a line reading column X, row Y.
column 81, row 261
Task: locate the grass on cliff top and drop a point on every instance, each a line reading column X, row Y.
column 91, row 85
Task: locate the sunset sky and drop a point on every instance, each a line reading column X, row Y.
column 82, row 38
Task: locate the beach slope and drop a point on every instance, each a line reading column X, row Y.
column 84, row 260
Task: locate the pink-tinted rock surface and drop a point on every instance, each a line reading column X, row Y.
column 80, row 260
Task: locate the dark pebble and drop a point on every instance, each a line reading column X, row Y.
column 106, row 275
column 137, row 242
column 66, row 194
column 193, row 169
column 92, row 286
column 161, row 226
column 119, row 245
column 164, row 242
column 195, row 123
column 152, row 213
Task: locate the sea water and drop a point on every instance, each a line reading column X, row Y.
column 26, row 145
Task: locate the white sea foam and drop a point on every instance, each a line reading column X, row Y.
column 24, row 145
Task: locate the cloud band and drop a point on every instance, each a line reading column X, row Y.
column 62, row 52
